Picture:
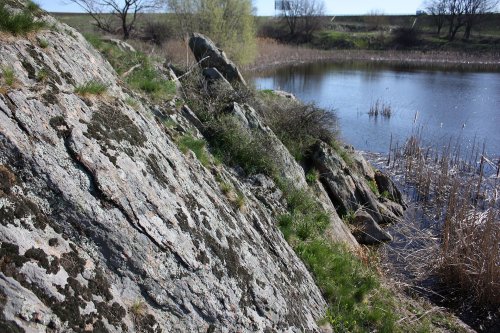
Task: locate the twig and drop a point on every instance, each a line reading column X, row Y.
column 192, row 68
column 127, row 73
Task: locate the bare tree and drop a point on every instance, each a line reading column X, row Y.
column 437, row 10
column 103, row 11
column 302, row 16
column 472, row 11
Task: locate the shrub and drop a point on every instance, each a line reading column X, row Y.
column 297, row 125
column 157, row 32
column 406, row 37
column 20, row 23
column 237, row 146
column 92, row 87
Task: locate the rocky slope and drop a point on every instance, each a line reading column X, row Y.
column 107, row 226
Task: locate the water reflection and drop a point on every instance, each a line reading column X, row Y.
column 462, row 105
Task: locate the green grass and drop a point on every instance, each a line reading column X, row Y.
column 343, row 153
column 42, row 74
column 373, row 187
column 149, row 81
column 43, row 43
column 197, row 146
column 20, row 23
column 312, row 176
column 235, row 146
column 145, row 78
column 305, row 218
column 9, row 76
column 92, row 87
column 357, row 302
column 349, row 217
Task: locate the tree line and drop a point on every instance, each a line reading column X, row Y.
column 458, row 14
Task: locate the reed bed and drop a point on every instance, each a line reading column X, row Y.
column 272, row 53
column 380, row 108
column 452, row 234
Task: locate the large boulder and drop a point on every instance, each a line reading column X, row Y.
column 203, row 48
column 349, row 192
column 105, row 225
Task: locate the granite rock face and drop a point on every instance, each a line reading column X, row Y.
column 106, row 225
column 348, row 189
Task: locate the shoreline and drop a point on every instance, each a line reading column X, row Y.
column 271, row 57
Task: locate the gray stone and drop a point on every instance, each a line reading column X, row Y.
column 106, row 215
column 202, row 47
column 368, row 231
column 385, row 184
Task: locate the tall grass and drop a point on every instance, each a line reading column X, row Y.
column 272, row 54
column 458, row 191
column 380, row 108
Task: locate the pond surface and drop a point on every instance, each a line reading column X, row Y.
column 456, row 106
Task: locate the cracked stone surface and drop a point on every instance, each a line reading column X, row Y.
column 106, row 226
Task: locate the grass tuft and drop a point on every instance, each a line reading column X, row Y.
column 9, row 76
column 92, row 87
column 312, row 176
column 20, row 23
column 197, row 146
column 43, row 43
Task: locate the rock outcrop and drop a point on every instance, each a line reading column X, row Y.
column 107, row 226
column 347, row 186
column 204, row 48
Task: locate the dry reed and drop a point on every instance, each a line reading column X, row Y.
column 458, row 194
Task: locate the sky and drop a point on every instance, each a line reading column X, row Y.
column 266, row 7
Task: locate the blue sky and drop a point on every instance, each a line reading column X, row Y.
column 266, row 7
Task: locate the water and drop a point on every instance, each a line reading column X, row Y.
column 456, row 105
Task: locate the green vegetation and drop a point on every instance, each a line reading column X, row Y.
column 349, row 217
column 237, row 146
column 373, row 187
column 312, row 176
column 43, row 43
column 149, row 81
column 297, row 125
column 229, row 23
column 197, row 146
column 144, row 77
column 92, row 87
column 342, row 152
column 356, row 301
column 305, row 219
column 20, row 23
column 8, row 76
column 42, row 75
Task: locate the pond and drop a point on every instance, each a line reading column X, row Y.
column 445, row 106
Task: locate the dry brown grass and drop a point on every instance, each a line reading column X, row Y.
column 456, row 194
column 272, row 54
